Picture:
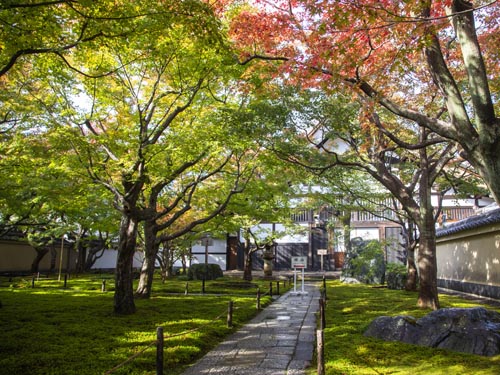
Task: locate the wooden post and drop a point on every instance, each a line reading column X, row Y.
column 33, row 282
column 103, row 286
column 322, row 313
column 258, row 298
column 230, row 314
column 324, row 285
column 65, row 280
column 186, row 289
column 159, row 351
column 278, row 288
column 203, row 285
column 320, row 351
column 271, row 288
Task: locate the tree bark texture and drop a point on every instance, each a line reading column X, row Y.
column 479, row 139
column 247, row 268
column 41, row 251
column 412, row 279
column 427, row 262
column 427, row 265
column 410, row 244
column 124, row 295
column 148, row 265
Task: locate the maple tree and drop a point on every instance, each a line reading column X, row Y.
column 45, row 196
column 325, row 132
column 116, row 82
column 433, row 63
column 269, row 195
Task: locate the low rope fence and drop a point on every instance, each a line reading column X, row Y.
column 160, row 340
column 160, row 337
column 39, row 280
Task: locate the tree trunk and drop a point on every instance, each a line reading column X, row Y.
column 427, row 262
column 148, row 265
column 489, row 167
column 427, row 265
column 82, row 255
column 411, row 280
column 346, row 227
column 124, row 294
column 184, row 264
column 41, row 251
column 145, row 286
column 247, row 267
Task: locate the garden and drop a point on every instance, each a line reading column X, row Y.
column 349, row 311
column 53, row 329
column 50, row 329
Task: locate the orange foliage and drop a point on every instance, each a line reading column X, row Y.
column 382, row 42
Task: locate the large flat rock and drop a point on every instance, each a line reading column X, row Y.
column 475, row 330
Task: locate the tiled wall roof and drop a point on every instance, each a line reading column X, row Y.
column 488, row 217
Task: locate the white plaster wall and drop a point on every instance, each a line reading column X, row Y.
column 108, row 260
column 263, row 230
column 365, row 233
column 471, row 256
column 216, row 253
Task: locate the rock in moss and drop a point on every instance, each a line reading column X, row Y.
column 474, row 331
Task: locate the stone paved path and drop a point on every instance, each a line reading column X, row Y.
column 280, row 340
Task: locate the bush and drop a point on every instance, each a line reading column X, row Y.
column 395, row 276
column 200, row 271
column 366, row 262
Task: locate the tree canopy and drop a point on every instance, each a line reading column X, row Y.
column 433, row 63
column 157, row 117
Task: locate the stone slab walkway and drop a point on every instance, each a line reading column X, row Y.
column 280, row 340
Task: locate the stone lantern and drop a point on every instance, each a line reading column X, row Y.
column 268, row 257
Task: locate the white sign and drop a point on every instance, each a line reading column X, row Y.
column 322, row 251
column 299, row 262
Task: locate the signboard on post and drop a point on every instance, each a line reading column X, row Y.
column 298, row 263
column 322, row 253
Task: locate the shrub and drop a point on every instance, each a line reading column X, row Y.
column 366, row 263
column 395, row 276
column 200, row 271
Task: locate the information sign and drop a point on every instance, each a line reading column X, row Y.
column 299, row 262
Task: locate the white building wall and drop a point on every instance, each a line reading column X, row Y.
column 261, row 231
column 108, row 260
column 217, row 253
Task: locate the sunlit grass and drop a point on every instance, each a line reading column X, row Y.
column 54, row 330
column 349, row 311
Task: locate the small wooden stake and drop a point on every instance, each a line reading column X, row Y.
column 320, row 351
column 159, row 351
column 322, row 313
column 230, row 314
